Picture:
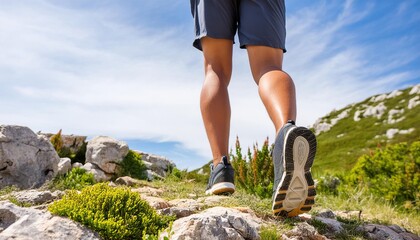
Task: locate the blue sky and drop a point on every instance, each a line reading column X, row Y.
column 127, row 69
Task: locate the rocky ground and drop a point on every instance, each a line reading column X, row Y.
column 197, row 218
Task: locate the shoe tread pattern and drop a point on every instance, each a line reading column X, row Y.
column 308, row 201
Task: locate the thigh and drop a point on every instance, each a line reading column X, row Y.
column 215, row 19
column 263, row 23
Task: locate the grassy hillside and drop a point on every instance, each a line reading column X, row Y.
column 348, row 139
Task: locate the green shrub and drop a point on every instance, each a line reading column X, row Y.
column 57, row 142
column 392, row 173
column 133, row 166
column 255, row 174
column 115, row 213
column 77, row 179
column 179, row 175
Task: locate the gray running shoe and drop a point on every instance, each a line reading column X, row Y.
column 221, row 178
column 293, row 156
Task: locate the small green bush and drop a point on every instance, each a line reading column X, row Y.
column 177, row 174
column 115, row 213
column 77, row 179
column 133, row 166
column 392, row 173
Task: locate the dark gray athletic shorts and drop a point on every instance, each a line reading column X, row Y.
column 259, row 22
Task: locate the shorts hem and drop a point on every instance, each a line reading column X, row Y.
column 197, row 42
column 278, row 46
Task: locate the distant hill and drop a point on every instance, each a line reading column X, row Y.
column 346, row 134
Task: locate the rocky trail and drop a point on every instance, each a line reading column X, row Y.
column 197, row 218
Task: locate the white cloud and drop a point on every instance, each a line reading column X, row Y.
column 90, row 72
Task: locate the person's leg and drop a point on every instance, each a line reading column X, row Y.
column 294, row 147
column 276, row 87
column 214, row 100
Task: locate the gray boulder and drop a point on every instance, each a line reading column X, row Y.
column 106, row 153
column 27, row 223
column 27, row 160
column 393, row 232
column 303, row 231
column 128, row 181
column 98, row 174
column 64, row 166
column 76, row 165
column 35, row 197
column 156, row 164
column 216, row 223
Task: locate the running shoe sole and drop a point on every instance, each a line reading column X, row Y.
column 296, row 192
column 222, row 188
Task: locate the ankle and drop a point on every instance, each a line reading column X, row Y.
column 284, row 124
column 218, row 160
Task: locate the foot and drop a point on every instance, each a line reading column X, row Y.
column 293, row 155
column 221, row 178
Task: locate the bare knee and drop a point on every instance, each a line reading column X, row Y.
column 217, row 60
column 263, row 60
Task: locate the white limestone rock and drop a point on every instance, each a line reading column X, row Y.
column 413, row 102
column 415, row 90
column 340, row 116
column 34, row 197
column 106, row 153
column 152, row 175
column 301, row 231
column 394, row 93
column 128, row 181
column 158, row 164
column 201, row 171
column 27, row 223
column 321, row 127
column 357, row 114
column 379, row 232
column 98, row 174
column 379, row 98
column 395, row 113
column 390, row 133
column 76, row 165
column 216, row 223
column 375, row 111
column 64, row 166
column 27, row 160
